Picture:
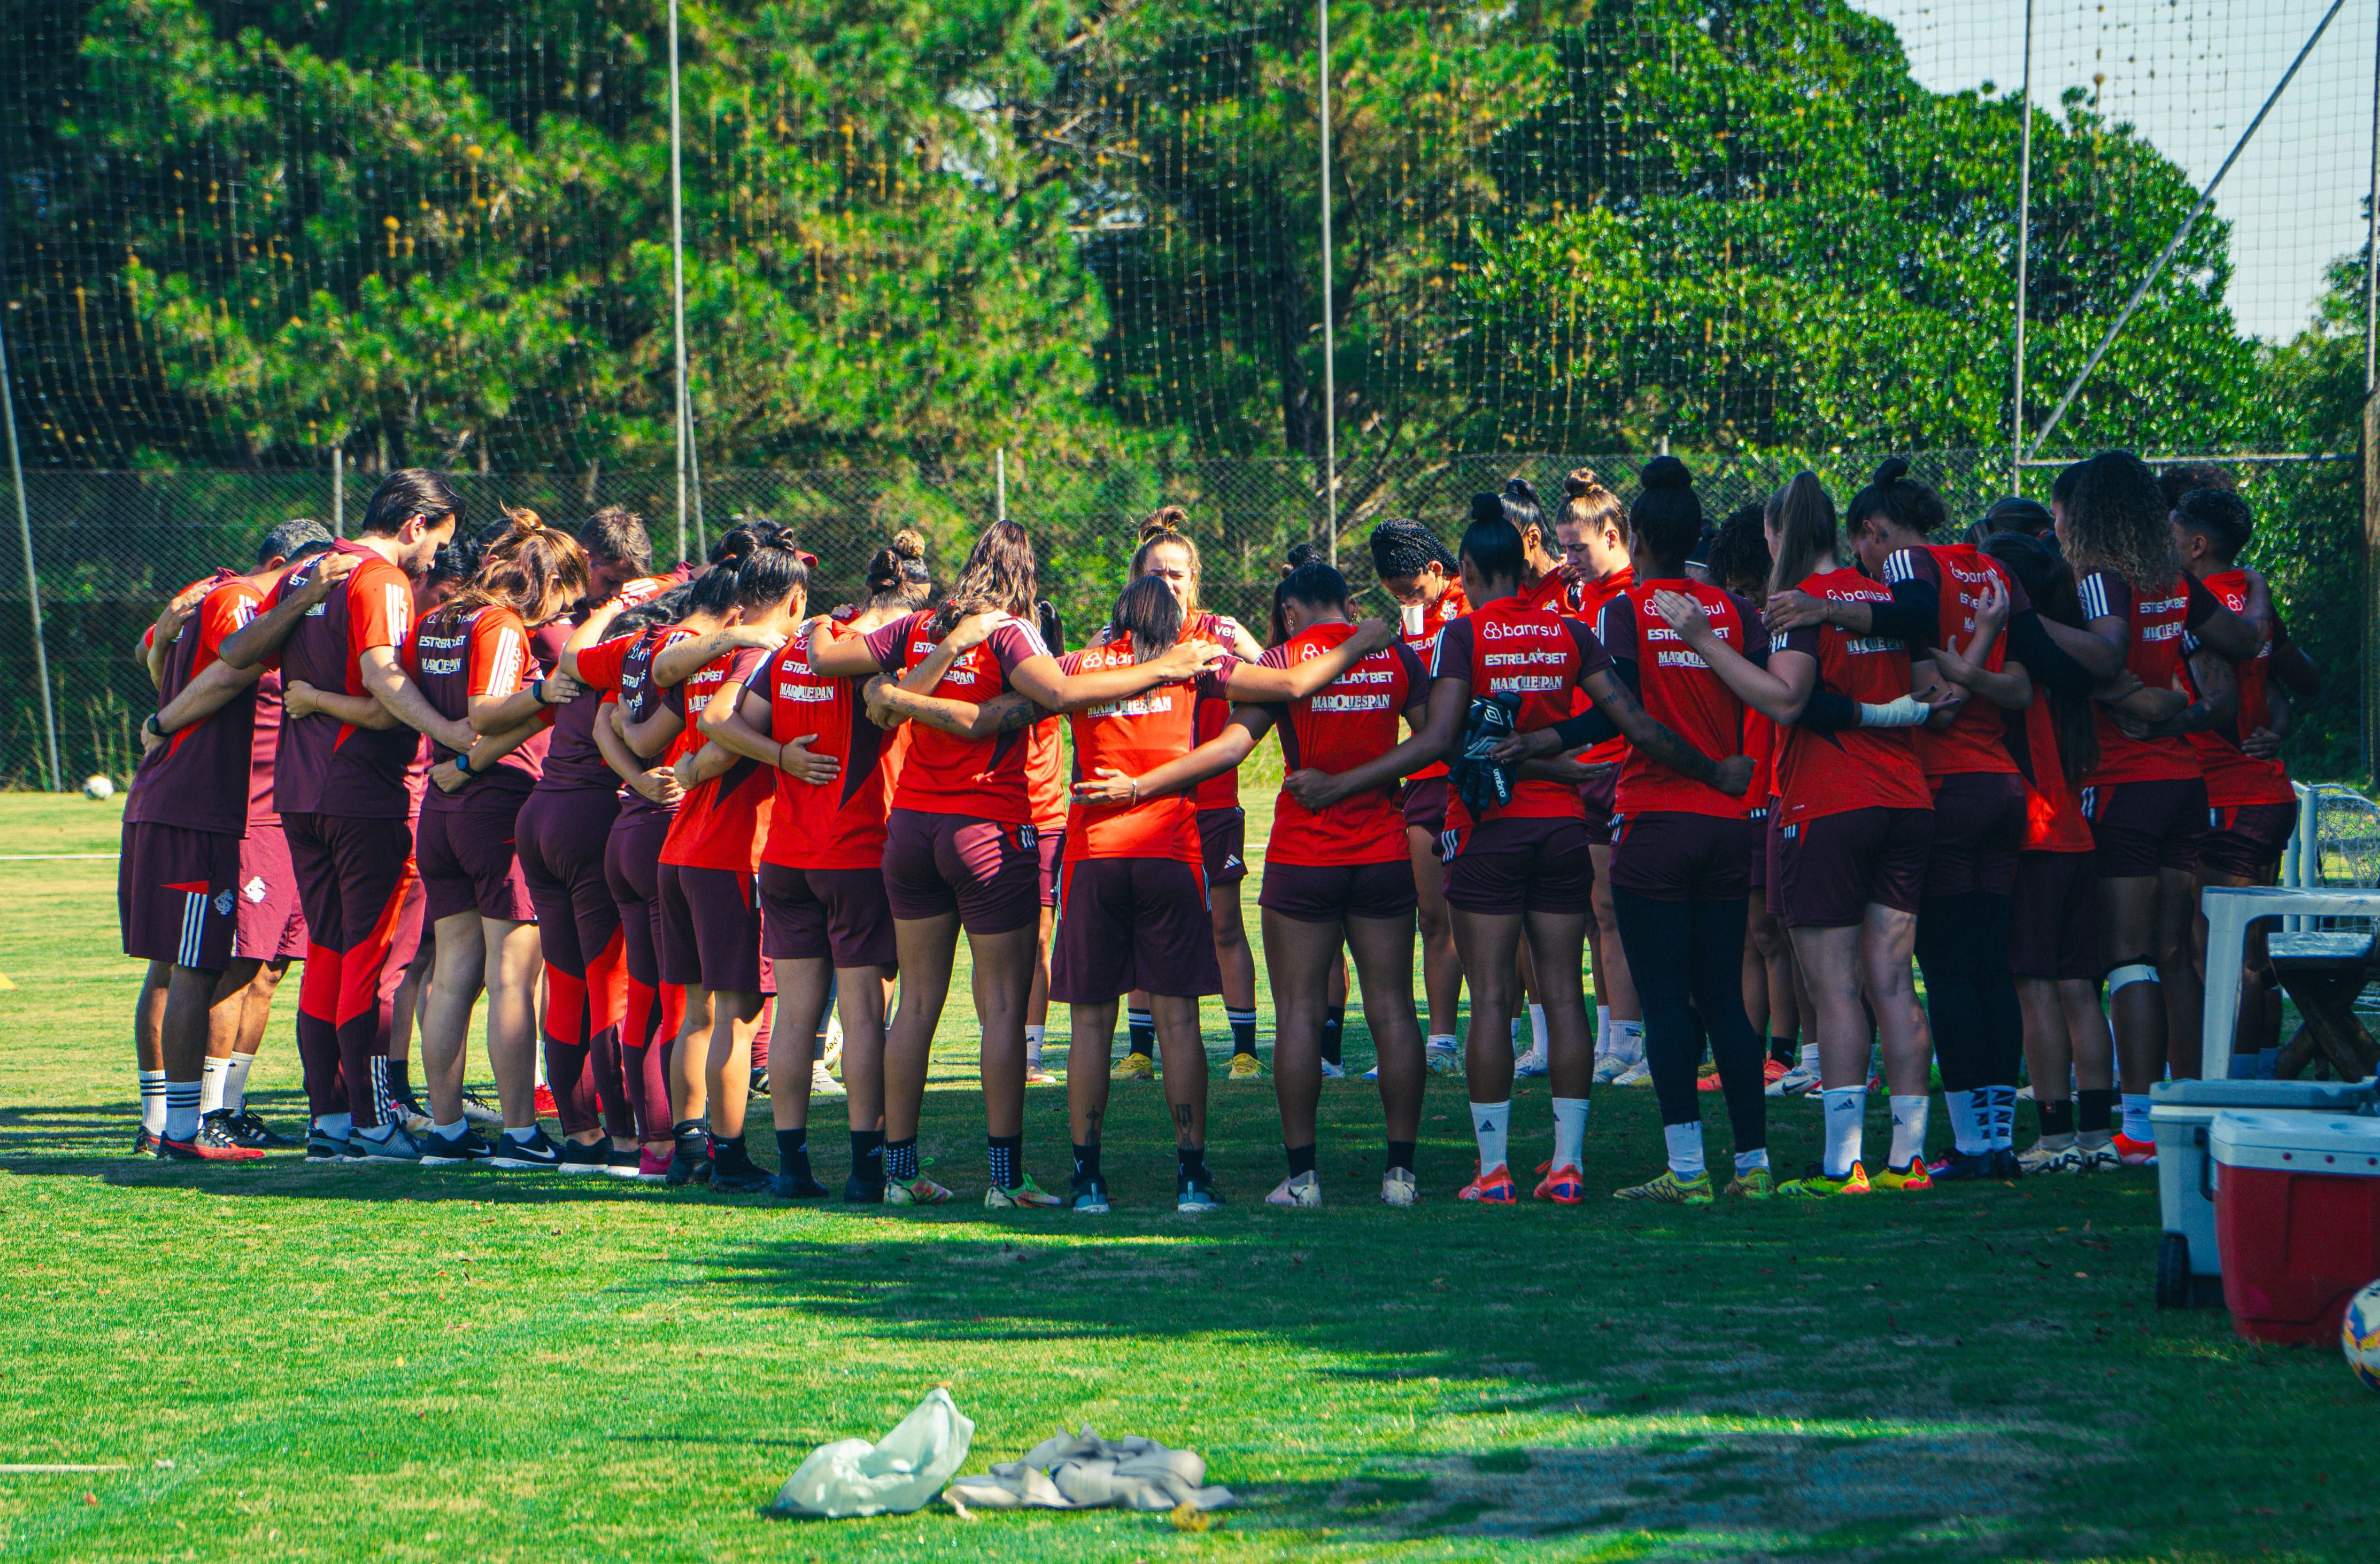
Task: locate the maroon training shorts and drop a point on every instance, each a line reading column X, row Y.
column 468, row 861
column 1223, row 843
column 826, row 914
column 1052, row 846
column 1424, row 803
column 710, row 929
column 1668, row 855
column 176, row 896
column 1601, row 798
column 1131, row 923
column 561, row 835
column 1831, row 868
column 2245, row 840
column 1312, row 894
column 1534, row 864
column 937, row 865
column 271, row 923
column 2054, row 916
column 2141, row 827
column 632, row 874
column 1978, row 828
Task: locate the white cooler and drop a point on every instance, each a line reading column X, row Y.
column 2182, row 1113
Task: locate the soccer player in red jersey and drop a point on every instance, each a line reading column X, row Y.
column 960, row 844
column 341, row 789
column 710, row 897
column 1850, row 833
column 827, row 921
column 2146, row 799
column 1166, row 552
column 1517, row 860
column 1421, row 574
column 1045, row 786
column 195, row 897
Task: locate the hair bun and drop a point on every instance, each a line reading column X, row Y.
column 1521, row 489
column 908, row 544
column 524, row 520
column 1581, row 482
column 1487, row 507
column 1664, row 473
column 1889, row 471
column 1166, row 523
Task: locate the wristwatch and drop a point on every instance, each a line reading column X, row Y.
column 149, row 725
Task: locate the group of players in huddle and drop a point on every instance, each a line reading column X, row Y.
column 1750, row 771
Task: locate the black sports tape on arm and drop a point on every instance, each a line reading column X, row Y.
column 1830, row 711
column 1590, row 726
column 1913, row 615
column 2046, row 660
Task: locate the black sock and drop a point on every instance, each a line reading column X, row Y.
column 1400, row 1154
column 691, row 1136
column 2056, row 1117
column 901, row 1159
column 1190, row 1163
column 794, row 1152
column 867, row 1156
column 2095, row 1111
column 727, row 1154
column 1086, row 1162
column 1244, row 1030
column 1784, row 1051
column 1141, row 1029
column 1333, row 1020
column 400, row 1079
column 1301, row 1158
column 1007, row 1156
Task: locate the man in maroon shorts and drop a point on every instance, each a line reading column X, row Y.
column 341, row 791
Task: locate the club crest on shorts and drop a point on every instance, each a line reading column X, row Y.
column 255, row 890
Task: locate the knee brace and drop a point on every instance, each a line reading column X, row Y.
column 2125, row 974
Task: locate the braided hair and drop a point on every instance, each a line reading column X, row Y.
column 1402, row 547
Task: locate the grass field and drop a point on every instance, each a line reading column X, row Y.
column 355, row 1364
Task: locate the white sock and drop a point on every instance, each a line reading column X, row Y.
column 181, row 1109
column 338, row 1125
column 1516, row 1034
column 1602, row 1030
column 1444, row 1041
column 451, row 1131
column 1685, row 1144
column 2136, row 1117
column 1998, row 1105
column 1908, row 1127
column 1810, row 1058
column 1490, row 1122
column 1745, row 1161
column 1537, row 1030
column 1969, row 1133
column 1628, row 1041
column 525, row 1134
column 1846, row 1109
column 1570, row 1131
column 1033, row 1036
column 234, row 1092
column 152, row 1101
column 211, row 1086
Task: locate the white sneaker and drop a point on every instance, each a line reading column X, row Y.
column 1796, row 1082
column 1444, row 1060
column 2024, row 1094
column 1637, row 1074
column 1530, row 1065
column 822, row 1083
column 1398, row 1187
column 1609, row 1068
column 1301, row 1190
column 1334, row 1072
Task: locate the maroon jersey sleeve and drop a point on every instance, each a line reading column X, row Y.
column 2203, row 603
column 2018, row 602
column 1014, row 643
column 886, row 642
column 1804, row 640
column 1453, row 658
column 1416, row 677
column 1616, row 628
column 1592, row 658
column 2106, row 595
column 1216, row 685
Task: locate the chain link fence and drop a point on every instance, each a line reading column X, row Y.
column 111, row 546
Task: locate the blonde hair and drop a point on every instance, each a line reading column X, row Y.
column 1588, row 504
column 1160, row 529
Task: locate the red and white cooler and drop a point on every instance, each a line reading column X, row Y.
column 2297, row 1215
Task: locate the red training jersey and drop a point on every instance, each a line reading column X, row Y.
column 838, row 824
column 640, row 699
column 324, row 766
column 722, row 823
column 1220, row 791
column 1593, row 598
column 480, row 652
column 199, row 778
column 943, row 774
column 2053, row 813
column 1675, row 686
column 1347, row 723
column 2157, row 624
column 1819, row 774
column 1510, row 648
column 1135, row 735
column 1976, row 739
column 2235, row 779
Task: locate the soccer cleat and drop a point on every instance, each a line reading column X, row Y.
column 920, row 1190
column 1135, row 1067
column 209, row 1145
column 1398, row 1187
column 1442, row 1059
column 590, row 1157
column 214, row 1130
column 1960, row 1167
column 757, row 1085
column 1754, row 1185
column 1772, row 1070
column 1708, row 1080
column 1301, row 1191
column 537, row 1154
column 479, row 1115
column 2133, row 1153
column 1800, row 1081
column 2024, row 1093
column 858, row 1191
column 1817, row 1185
column 407, row 1111
column 1371, row 1074
column 622, row 1164
column 652, row 1164
column 823, row 1083
column 1640, row 1074
column 1088, row 1196
column 2005, row 1164
column 1607, row 1068
column 1332, row 1071
column 1914, row 1176
column 542, row 1104
column 1195, row 1196
column 250, row 1131
column 2096, row 1159
column 393, row 1149
column 1025, row 1197
column 746, row 1180
column 1670, row 1190
column 2040, row 1157
column 1034, row 1076
column 796, row 1186
column 1564, row 1185
column 688, row 1167
column 1493, row 1187
column 322, row 1146
column 454, row 1151
column 145, row 1142
column 1247, row 1067
column 1530, row 1066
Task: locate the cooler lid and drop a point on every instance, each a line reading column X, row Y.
column 2296, row 1142
column 2329, row 1096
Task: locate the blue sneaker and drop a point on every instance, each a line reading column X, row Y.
column 1090, row 1196
column 460, row 1150
column 1195, row 1196
column 1960, row 1167
column 537, row 1154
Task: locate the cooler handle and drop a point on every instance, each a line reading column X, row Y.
column 2206, row 1164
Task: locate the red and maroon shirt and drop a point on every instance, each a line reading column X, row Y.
column 838, row 824
column 1976, row 739
column 1593, row 598
column 1678, row 687
column 2157, row 623
column 2053, row 813
column 1422, row 623
column 1347, row 723
column 1219, row 791
column 201, row 778
column 1509, row 647
column 2234, row 778
column 458, row 657
column 640, row 699
column 1134, row 736
column 983, row 779
column 1820, row 775
column 722, row 823
column 324, row 766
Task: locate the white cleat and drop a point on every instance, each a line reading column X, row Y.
column 822, row 1084
column 1443, row 1059
column 1398, row 1187
column 1796, row 1082
column 1334, row 1072
column 1637, row 1074
column 1530, row 1066
column 1607, row 1068
column 1301, row 1190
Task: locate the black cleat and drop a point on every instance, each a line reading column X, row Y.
column 760, row 1080
column 746, row 1180
column 252, row 1131
column 687, row 1166
column 591, row 1157
column 1960, row 1167
column 799, row 1186
column 858, row 1191
column 145, row 1142
column 2005, row 1165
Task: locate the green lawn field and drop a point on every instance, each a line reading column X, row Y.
column 351, row 1364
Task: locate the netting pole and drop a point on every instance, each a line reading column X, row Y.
column 1330, row 343
column 2371, row 421
column 32, row 578
column 2205, row 199
column 2023, row 256
column 999, row 484
column 677, row 281
column 338, row 491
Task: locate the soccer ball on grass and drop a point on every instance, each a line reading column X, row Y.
column 2359, row 1335
column 98, row 787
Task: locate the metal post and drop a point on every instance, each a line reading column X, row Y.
column 338, row 491
column 999, row 484
column 1330, row 341
column 2023, row 256
column 678, row 279
column 32, row 580
column 2205, row 199
column 2370, row 423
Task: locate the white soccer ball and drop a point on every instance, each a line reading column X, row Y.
column 2359, row 1335
column 98, row 787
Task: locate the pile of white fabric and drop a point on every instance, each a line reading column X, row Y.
column 1085, row 1472
column 899, row 1473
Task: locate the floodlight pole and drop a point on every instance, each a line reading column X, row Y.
column 1330, row 343
column 678, row 279
column 2023, row 256
column 2205, row 199
column 338, row 491
column 999, row 484
column 2371, row 421
column 32, row 580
